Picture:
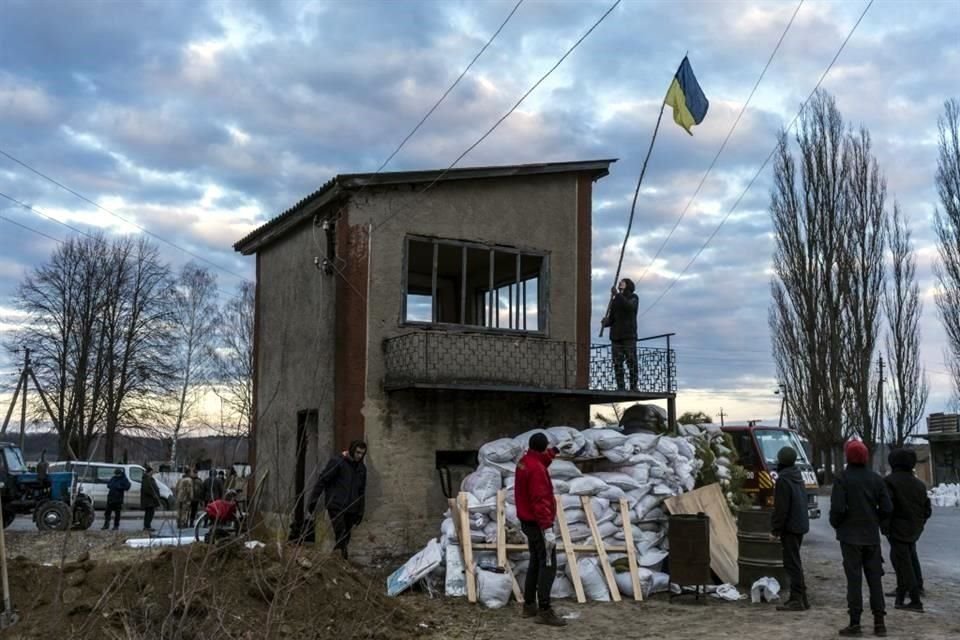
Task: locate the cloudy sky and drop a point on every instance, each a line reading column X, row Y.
column 200, row 120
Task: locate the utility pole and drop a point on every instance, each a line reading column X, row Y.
column 880, row 417
column 722, row 414
column 23, row 407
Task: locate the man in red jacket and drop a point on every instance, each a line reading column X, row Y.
column 537, row 509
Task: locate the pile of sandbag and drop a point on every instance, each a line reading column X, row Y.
column 945, row 495
column 643, row 468
column 717, row 459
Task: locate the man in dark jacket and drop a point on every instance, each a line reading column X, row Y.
column 212, row 487
column 911, row 510
column 116, row 487
column 859, row 505
column 536, row 510
column 149, row 497
column 198, row 489
column 344, row 485
column 791, row 522
column 622, row 320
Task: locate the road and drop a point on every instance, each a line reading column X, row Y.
column 130, row 522
column 937, row 548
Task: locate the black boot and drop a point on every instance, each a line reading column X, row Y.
column 914, row 605
column 530, row 610
column 900, row 595
column 792, row 605
column 853, row 629
column 879, row 628
column 806, row 603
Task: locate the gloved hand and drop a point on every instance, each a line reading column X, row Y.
column 549, row 539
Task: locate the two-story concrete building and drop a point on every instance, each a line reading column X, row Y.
column 426, row 312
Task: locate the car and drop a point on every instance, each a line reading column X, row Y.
column 94, row 476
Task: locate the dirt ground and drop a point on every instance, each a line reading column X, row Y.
column 109, row 591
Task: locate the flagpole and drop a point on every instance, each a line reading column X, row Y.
column 633, row 206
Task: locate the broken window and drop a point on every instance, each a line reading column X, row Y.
column 464, row 283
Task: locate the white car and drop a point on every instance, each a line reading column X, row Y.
column 93, row 477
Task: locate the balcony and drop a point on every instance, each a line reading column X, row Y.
column 524, row 364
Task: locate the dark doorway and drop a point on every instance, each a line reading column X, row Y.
column 307, row 425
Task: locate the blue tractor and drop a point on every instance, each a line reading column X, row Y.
column 47, row 497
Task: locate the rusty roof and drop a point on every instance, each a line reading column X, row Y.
column 341, row 185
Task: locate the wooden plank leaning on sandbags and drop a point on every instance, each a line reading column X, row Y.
column 631, row 549
column 463, row 517
column 570, row 551
column 601, row 551
column 502, row 560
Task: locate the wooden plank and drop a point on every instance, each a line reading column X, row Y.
column 517, row 591
column 579, row 548
column 569, row 550
column 631, row 549
column 467, row 545
column 723, row 529
column 601, row 551
column 502, row 561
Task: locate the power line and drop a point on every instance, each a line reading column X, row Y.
column 502, row 118
column 23, row 226
column 762, row 166
column 725, row 140
column 44, row 215
column 119, row 217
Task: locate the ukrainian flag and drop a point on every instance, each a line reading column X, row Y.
column 686, row 97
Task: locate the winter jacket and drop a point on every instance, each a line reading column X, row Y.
column 212, row 488
column 221, row 510
column 790, row 503
column 197, row 489
column 344, row 485
column 859, row 506
column 533, row 490
column 623, row 317
column 911, row 506
column 149, row 492
column 185, row 490
column 116, row 486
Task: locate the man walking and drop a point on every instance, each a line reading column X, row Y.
column 791, row 522
column 116, row 487
column 184, row 491
column 536, row 510
column 859, row 504
column 344, row 485
column 911, row 510
column 149, row 497
column 622, row 320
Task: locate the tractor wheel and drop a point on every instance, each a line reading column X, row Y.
column 83, row 516
column 9, row 515
column 52, row 516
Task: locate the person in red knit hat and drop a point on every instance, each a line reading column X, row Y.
column 859, row 506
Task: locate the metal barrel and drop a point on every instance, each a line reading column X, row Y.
column 759, row 555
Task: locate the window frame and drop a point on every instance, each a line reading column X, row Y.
column 543, row 286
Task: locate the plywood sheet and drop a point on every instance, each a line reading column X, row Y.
column 723, row 529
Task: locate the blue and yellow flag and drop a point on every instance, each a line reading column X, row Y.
column 686, row 97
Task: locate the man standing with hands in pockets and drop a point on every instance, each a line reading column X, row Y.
column 537, row 510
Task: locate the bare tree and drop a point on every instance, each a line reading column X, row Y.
column 806, row 315
column 95, row 325
column 235, row 361
column 195, row 318
column 909, row 390
column 861, row 273
column 947, row 225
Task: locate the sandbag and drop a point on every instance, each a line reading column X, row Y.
column 604, row 438
column 652, row 558
column 570, row 502
column 482, row 483
column 659, row 582
column 617, row 479
column 667, row 448
column 448, row 529
column 643, row 441
column 560, row 486
column 567, row 439
column 502, row 450
column 574, row 515
column 594, row 584
column 562, row 587
column 587, row 486
column 618, row 455
column 563, row 470
column 613, row 494
column 639, row 471
column 493, row 589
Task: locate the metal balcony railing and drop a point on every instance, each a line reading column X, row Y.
column 459, row 358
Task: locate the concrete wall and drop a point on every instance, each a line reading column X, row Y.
column 296, row 338
column 404, row 429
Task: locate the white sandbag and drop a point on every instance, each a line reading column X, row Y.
column 604, row 438
column 587, row 486
column 493, row 589
column 639, row 472
column 594, row 584
column 621, row 535
column 590, row 449
column 501, row 450
column 689, row 430
column 663, row 490
column 569, row 440
column 563, row 470
column 765, row 589
column 510, row 515
column 478, row 520
column 562, row 587
column 655, row 515
column 659, row 582
column 490, row 532
column 560, row 486
column 625, row 584
column 645, row 540
column 482, row 483
column 618, row 455
column 506, row 469
column 646, row 504
column 643, row 441
column 664, row 461
column 509, row 481
column 455, row 581
column 667, row 448
column 574, row 515
column 607, row 529
column 728, row 592
column 579, row 531
column 634, row 496
column 448, row 529
column 613, row 494
column 652, row 558
column 685, row 449
column 617, row 479
column 570, row 502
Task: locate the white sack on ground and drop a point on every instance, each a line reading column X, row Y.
column 591, row 576
column 765, row 589
column 562, row 587
column 415, row 568
column 493, row 589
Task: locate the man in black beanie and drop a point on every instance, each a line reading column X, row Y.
column 791, row 522
column 911, row 510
